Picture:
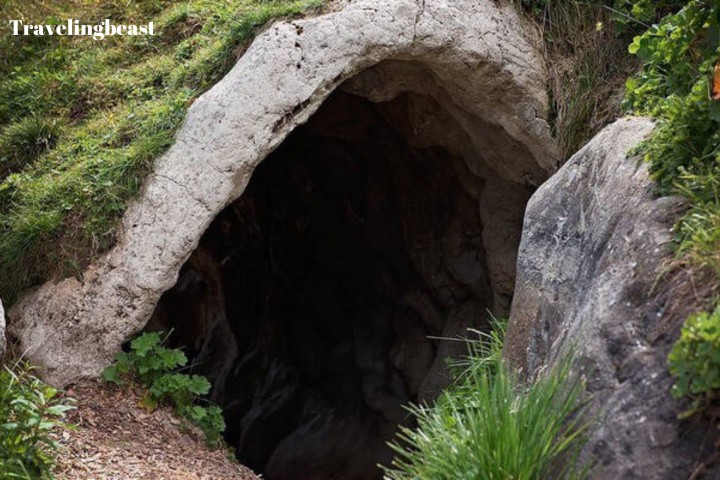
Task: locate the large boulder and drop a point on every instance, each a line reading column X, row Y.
column 477, row 60
column 596, row 238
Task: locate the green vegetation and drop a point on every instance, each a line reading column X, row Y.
column 586, row 45
column 156, row 367
column 82, row 120
column 488, row 425
column 674, row 86
column 587, row 65
column 695, row 360
column 30, row 412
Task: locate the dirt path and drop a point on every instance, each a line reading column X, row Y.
column 116, row 439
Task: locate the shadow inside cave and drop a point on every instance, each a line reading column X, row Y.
column 314, row 302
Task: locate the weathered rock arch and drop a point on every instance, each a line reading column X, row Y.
column 473, row 67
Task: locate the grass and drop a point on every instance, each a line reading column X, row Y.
column 587, row 59
column 81, row 121
column 489, row 426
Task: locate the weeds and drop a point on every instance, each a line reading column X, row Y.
column 30, row 412
column 489, row 426
column 157, row 368
column 674, row 86
column 694, row 361
column 587, row 63
column 24, row 141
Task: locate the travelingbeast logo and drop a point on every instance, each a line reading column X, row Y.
column 73, row 27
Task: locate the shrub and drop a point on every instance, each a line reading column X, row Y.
column 695, row 360
column 678, row 56
column 487, row 425
column 29, row 412
column 156, row 367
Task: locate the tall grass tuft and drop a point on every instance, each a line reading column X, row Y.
column 23, row 142
column 488, row 426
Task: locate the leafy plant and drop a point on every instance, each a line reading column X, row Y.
column 674, row 86
column 147, row 359
column 488, row 425
column 678, row 56
column 156, row 367
column 695, row 360
column 30, row 412
column 634, row 14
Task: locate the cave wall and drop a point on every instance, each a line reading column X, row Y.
column 315, row 301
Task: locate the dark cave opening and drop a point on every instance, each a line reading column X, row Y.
column 314, row 302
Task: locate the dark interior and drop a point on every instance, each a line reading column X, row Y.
column 315, row 301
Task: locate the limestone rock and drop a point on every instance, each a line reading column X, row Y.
column 594, row 244
column 477, row 59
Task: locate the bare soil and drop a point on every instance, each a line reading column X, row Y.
column 116, row 439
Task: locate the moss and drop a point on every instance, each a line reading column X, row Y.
column 81, row 121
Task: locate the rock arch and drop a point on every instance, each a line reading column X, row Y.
column 472, row 67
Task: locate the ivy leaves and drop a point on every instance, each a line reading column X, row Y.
column 679, row 54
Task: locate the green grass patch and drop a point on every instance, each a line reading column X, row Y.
column 81, row 120
column 488, row 425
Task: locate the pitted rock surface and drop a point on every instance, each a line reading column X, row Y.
column 595, row 241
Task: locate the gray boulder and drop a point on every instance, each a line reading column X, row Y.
column 594, row 244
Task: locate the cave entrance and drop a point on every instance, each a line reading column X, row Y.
column 314, row 301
